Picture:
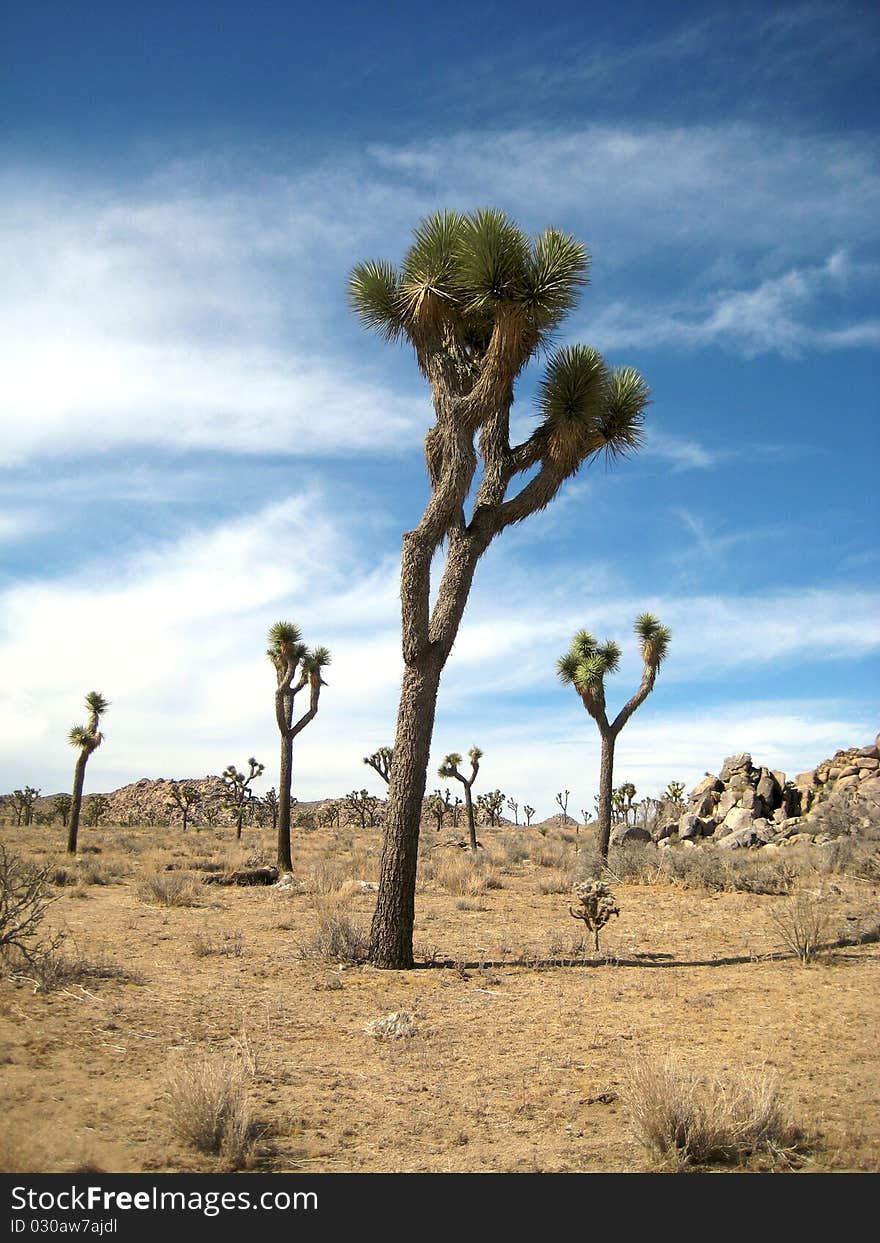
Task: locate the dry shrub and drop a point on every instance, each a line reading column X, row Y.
column 691, row 1121
column 169, row 889
column 804, row 923
column 230, row 945
column 208, row 1109
column 464, row 876
column 338, row 938
column 53, row 968
column 24, row 900
column 324, row 878
column 557, row 880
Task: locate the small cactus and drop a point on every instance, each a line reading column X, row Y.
column 596, row 905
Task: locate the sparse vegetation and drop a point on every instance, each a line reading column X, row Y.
column 170, row 889
column 686, row 1120
column 804, row 922
column 208, row 1109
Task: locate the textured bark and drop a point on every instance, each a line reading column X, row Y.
column 392, row 929
column 469, row 807
column 79, row 774
column 606, row 780
column 285, row 862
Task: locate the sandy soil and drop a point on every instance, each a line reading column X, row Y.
column 517, row 1060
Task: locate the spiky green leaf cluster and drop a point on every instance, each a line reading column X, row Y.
column 462, row 271
column 586, row 663
column 654, row 638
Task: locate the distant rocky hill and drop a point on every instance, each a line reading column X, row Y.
column 746, row 804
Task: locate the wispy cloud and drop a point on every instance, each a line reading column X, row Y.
column 773, row 317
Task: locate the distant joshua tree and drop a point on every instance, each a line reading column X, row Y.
column 364, row 805
column 381, row 761
column 186, row 798
column 491, row 805
column 61, row 807
column 449, row 768
column 584, row 667
column 562, row 800
column 24, row 801
column 438, row 804
column 292, row 660
column 88, row 739
column 270, row 802
column 514, row 807
column 674, row 792
column 528, row 812
column 96, row 807
column 239, row 795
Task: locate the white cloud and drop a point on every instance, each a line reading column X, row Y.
column 772, row 317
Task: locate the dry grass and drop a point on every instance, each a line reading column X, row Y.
column 208, row 1109
column 337, row 939
column 170, row 889
column 694, row 1121
column 804, row 923
column 528, row 1033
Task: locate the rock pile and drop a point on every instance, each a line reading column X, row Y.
column 749, row 805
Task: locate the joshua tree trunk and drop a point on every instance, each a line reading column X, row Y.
column 606, row 780
column 472, row 825
column 391, row 935
column 79, row 775
column 285, row 862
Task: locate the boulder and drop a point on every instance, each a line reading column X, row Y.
column 769, row 790
column 689, row 826
column 737, row 840
column 708, row 785
column 868, row 764
column 727, row 801
column 625, row 833
column 737, row 818
column 706, row 805
column 736, row 764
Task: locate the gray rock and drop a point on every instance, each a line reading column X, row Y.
column 848, row 781
column 665, row 831
column 625, row 833
column 769, row 790
column 868, row 764
column 738, row 818
column 706, row 805
column 689, row 826
column 726, row 802
column 737, row 840
column 871, row 753
column 708, row 785
column 734, row 764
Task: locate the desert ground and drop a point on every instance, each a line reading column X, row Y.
column 523, row 1038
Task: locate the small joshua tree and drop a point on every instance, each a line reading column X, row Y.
column 438, row 805
column 239, row 795
column 61, row 807
column 627, row 793
column 584, row 666
column 674, row 792
column 24, row 801
column 270, row 802
column 295, row 668
column 491, row 805
column 562, row 800
column 449, row 768
column 514, row 807
column 96, row 807
column 596, row 905
column 528, row 812
column 381, row 761
column 186, row 798
column 88, row 739
column 364, row 805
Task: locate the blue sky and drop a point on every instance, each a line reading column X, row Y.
column 197, row 439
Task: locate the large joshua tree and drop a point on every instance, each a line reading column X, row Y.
column 585, row 667
column 449, row 768
column 295, row 668
column 88, row 739
column 476, row 299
